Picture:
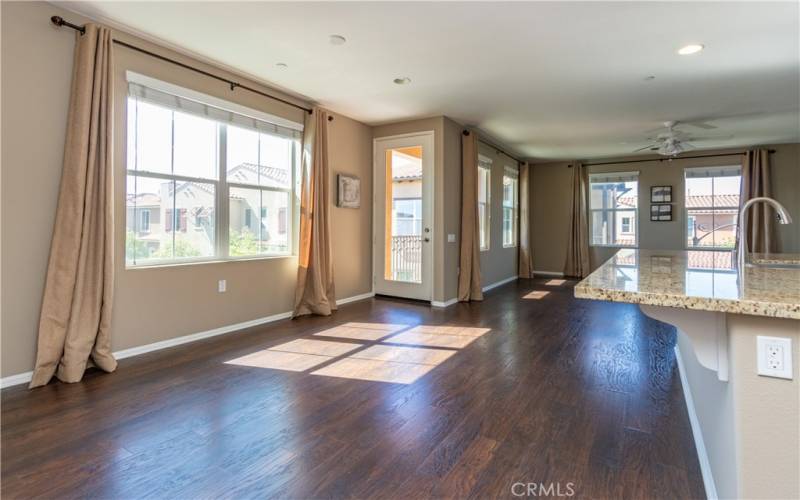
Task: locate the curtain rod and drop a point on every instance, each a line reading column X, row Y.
column 668, row 159
column 467, row 132
column 59, row 21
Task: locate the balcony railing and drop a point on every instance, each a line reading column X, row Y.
column 406, row 255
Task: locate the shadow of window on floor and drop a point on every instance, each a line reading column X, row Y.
column 375, row 358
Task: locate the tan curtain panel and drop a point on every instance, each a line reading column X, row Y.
column 760, row 233
column 315, row 292
column 525, row 235
column 577, row 262
column 74, row 325
column 469, row 277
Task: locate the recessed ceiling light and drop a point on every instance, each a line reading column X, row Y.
column 337, row 39
column 402, row 81
column 281, row 65
column 690, row 49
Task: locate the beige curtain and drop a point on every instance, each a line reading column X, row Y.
column 760, row 232
column 315, row 292
column 469, row 277
column 525, row 236
column 577, row 262
column 74, row 324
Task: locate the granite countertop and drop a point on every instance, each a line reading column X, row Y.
column 701, row 280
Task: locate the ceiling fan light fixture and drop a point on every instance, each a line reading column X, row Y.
column 692, row 48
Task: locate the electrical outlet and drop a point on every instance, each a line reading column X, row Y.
column 774, row 356
column 222, row 286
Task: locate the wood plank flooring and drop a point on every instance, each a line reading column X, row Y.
column 559, row 393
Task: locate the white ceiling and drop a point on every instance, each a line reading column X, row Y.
column 548, row 79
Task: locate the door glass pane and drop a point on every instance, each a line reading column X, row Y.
column 403, row 223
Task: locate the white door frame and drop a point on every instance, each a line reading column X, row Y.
column 428, row 194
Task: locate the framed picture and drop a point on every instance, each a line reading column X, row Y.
column 349, row 191
column 661, row 212
column 660, row 194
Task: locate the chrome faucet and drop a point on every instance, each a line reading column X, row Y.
column 783, row 218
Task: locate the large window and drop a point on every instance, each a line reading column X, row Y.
column 206, row 179
column 510, row 206
column 484, row 200
column 613, row 204
column 712, row 207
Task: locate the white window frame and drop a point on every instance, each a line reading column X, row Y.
column 485, row 223
column 707, row 172
column 513, row 174
column 608, row 177
column 221, row 186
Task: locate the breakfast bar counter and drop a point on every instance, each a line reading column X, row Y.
column 745, row 419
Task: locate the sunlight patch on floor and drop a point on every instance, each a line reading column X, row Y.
column 536, row 294
column 469, row 331
column 375, row 370
column 555, row 282
column 431, row 339
column 376, row 358
column 318, row 347
column 277, row 360
column 402, row 354
column 361, row 331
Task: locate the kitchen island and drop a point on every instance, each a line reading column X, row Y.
column 746, row 426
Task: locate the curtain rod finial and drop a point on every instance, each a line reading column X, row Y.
column 465, row 132
column 57, row 20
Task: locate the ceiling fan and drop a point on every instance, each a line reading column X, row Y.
column 672, row 142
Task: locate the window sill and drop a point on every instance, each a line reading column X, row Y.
column 157, row 265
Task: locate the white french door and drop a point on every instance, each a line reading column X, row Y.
column 403, row 216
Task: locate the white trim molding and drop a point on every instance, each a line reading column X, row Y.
column 446, row 303
column 24, row 378
column 697, row 433
column 549, row 274
column 499, row 283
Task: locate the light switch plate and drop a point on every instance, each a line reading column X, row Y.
column 774, row 356
column 222, row 286
column 451, row 238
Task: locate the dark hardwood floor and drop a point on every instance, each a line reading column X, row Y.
column 561, row 393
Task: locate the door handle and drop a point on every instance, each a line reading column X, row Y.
column 426, row 240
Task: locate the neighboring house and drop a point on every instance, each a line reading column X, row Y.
column 151, row 217
column 711, row 221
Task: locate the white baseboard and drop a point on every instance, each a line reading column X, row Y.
column 20, row 378
column 355, row 298
column 697, row 433
column 500, row 283
column 549, row 274
column 446, row 303
column 24, row 378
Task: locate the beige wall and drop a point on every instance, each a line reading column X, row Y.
column 751, row 424
column 497, row 263
column 151, row 304
column 551, row 201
